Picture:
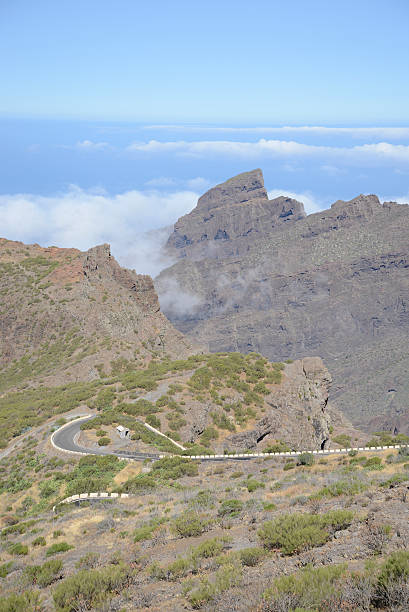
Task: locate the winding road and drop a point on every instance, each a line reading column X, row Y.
column 64, row 439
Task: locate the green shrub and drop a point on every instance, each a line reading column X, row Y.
column 251, row 556
column 18, row 549
column 373, row 463
column 90, row 588
column 343, row 440
column 209, row 548
column 145, row 531
column 293, row 533
column 30, row 601
column 153, row 420
column 137, row 484
column 395, row 567
column 48, row 488
column 178, row 569
column 93, row 473
column 278, row 447
column 100, row 433
column 5, row 569
column 308, row 588
column 190, row 524
column 172, row 468
column 58, row 547
column 230, row 507
column 40, row 541
column 253, row 485
column 306, row 459
column 43, row 575
column 104, row 441
column 88, row 561
column 353, row 486
column 269, row 506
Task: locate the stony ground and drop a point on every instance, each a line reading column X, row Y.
column 192, row 536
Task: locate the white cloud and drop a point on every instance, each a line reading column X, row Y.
column 385, row 149
column 161, row 181
column 275, row 148
column 227, row 147
column 90, row 145
column 197, row 183
column 311, row 204
column 81, row 219
column 393, row 133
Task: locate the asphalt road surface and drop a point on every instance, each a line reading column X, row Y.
column 64, row 440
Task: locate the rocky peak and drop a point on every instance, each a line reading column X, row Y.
column 229, row 215
column 237, row 190
column 361, row 206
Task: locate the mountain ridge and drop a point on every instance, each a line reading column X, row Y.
column 333, row 283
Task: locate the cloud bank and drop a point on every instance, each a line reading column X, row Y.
column 393, row 133
column 380, row 151
column 82, row 219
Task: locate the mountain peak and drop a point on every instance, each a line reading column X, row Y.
column 236, row 190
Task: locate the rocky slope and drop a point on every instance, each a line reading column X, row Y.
column 258, row 275
column 77, row 330
column 64, row 314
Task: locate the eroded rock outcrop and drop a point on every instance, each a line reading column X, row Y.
column 229, row 216
column 297, row 413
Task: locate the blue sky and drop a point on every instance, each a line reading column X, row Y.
column 115, row 116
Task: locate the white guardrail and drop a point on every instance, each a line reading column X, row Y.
column 231, row 455
column 86, row 496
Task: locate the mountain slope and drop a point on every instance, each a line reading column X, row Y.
column 333, row 284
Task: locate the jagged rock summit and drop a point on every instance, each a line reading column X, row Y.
column 229, row 215
column 259, row 275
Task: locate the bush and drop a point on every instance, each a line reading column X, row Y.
column 395, row 567
column 190, row 524
column 30, row 601
column 18, row 549
column 153, row 420
column 308, row 589
column 172, row 468
column 137, row 484
column 209, row 548
column 104, row 441
column 145, row 531
column 293, row 533
column 352, row 486
column 58, row 547
column 90, row 588
column 373, row 463
column 343, row 440
column 306, row 459
column 43, row 575
column 93, row 473
column 230, row 507
column 251, row 556
column 5, row 569
column 253, row 485
column 40, row 541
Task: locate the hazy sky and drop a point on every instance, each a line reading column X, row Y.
column 115, row 116
column 206, row 60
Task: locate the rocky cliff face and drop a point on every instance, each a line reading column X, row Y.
column 297, row 411
column 65, row 313
column 334, row 283
column 229, row 217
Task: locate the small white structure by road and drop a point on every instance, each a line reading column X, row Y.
column 122, row 431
